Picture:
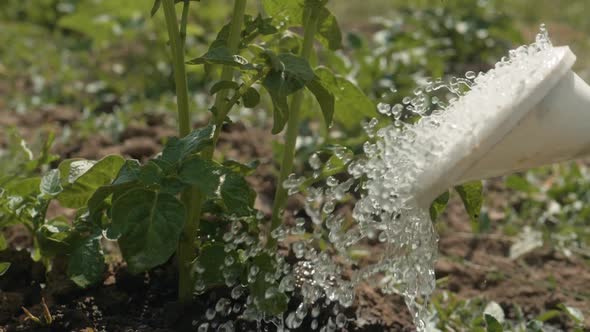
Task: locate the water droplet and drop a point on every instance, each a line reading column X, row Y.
column 470, row 75
column 210, row 314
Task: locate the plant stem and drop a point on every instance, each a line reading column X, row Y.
column 186, row 245
column 227, row 72
column 183, row 22
column 310, row 27
column 179, row 69
column 193, row 198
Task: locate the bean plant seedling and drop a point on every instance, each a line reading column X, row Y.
column 186, row 202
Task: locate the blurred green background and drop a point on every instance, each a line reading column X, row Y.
column 567, row 21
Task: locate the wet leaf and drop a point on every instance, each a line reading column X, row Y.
column 222, row 55
column 148, row 225
column 211, row 264
column 274, row 303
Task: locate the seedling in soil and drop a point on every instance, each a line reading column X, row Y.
column 45, row 321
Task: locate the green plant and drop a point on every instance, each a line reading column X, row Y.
column 184, row 202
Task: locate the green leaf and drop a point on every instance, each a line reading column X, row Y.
column 155, row 7
column 242, row 169
column 472, row 197
column 291, row 12
column 23, row 186
column 53, row 237
column 352, row 104
column 86, row 263
column 177, row 149
column 573, row 313
column 439, row 205
column 329, row 33
column 222, row 55
column 150, row 174
column 211, row 264
column 71, row 169
column 290, row 74
column 275, row 84
column 129, row 172
column 265, row 26
column 205, row 174
column 237, row 195
column 285, row 10
column 492, row 324
column 224, row 85
column 77, row 193
column 50, row 183
column 274, row 303
column 148, row 225
column 251, row 97
column 324, row 97
column 297, row 70
column 547, row 315
column 4, row 267
column 127, row 178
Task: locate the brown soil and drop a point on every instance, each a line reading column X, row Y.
column 475, row 265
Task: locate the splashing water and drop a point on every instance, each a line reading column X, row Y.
column 404, row 167
column 423, row 149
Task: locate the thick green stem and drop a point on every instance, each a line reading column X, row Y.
column 310, row 27
column 184, row 21
column 193, row 198
column 186, row 245
column 178, row 64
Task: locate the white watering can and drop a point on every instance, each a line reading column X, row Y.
column 548, row 123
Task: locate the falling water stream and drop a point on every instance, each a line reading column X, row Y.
column 396, row 168
column 408, row 160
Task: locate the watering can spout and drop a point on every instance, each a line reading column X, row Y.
column 556, row 129
column 545, row 123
